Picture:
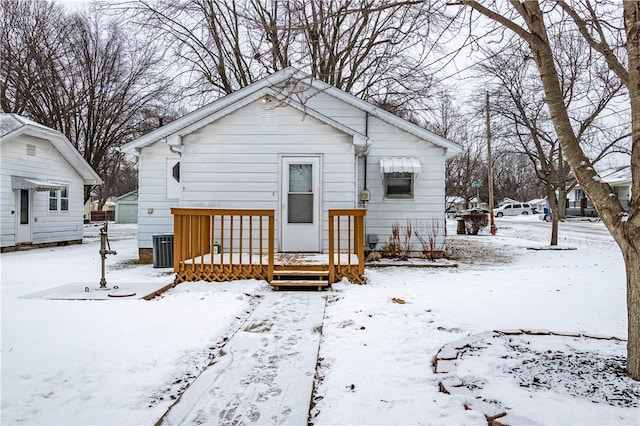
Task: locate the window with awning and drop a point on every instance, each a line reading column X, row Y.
column 400, row 165
column 398, row 174
column 18, row 182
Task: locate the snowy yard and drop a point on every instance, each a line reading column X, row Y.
column 126, row 361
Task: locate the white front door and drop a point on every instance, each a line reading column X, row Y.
column 24, row 216
column 300, row 200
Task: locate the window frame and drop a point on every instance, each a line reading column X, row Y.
column 396, row 176
column 61, row 201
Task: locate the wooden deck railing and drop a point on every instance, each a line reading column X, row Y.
column 233, row 244
column 346, row 244
column 223, row 244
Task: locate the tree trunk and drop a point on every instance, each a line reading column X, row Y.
column 630, row 229
column 632, row 265
column 608, row 207
column 625, row 233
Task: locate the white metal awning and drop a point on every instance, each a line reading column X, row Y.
column 30, row 183
column 400, row 165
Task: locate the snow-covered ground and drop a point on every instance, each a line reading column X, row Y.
column 125, row 361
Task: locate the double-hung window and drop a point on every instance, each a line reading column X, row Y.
column 59, row 199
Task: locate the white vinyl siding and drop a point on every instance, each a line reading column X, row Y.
column 230, row 164
column 154, row 208
column 233, row 162
column 47, row 165
column 427, row 204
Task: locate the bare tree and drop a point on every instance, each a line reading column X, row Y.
column 526, row 126
column 449, row 121
column 33, row 46
column 601, row 25
column 376, row 51
column 82, row 76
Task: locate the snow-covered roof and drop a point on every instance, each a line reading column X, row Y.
column 14, row 125
column 452, row 199
column 131, row 195
column 223, row 106
column 508, row 200
column 538, row 201
column 617, row 175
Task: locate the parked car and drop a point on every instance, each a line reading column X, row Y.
column 514, row 209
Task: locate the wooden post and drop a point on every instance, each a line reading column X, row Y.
column 360, row 243
column 332, row 272
column 271, row 246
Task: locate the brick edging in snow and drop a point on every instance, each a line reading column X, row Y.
column 445, row 362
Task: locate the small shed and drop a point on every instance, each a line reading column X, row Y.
column 127, row 207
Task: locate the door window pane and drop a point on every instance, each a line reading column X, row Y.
column 300, row 178
column 24, row 206
column 300, row 208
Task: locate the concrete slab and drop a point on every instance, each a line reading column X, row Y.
column 92, row 291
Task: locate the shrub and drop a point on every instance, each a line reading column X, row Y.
column 473, row 222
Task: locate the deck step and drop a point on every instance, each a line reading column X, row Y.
column 301, row 273
column 299, row 283
column 319, row 284
column 317, row 277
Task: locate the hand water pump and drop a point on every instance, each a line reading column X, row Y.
column 105, row 249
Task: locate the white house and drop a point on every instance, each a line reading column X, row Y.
column 619, row 178
column 300, row 147
column 42, row 180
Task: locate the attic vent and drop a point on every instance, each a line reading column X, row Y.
column 31, row 150
column 267, row 116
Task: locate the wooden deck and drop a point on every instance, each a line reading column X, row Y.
column 234, row 244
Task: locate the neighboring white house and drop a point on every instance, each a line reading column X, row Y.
column 619, row 178
column 300, row 147
column 455, row 204
column 42, row 180
column 539, row 204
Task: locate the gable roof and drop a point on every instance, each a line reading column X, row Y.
column 128, row 196
column 229, row 103
column 14, row 125
column 617, row 175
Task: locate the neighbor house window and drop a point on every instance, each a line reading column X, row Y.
column 398, row 185
column 59, row 199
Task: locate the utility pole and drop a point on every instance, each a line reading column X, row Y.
column 494, row 229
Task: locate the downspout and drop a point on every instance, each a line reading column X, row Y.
column 366, row 152
column 365, row 194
